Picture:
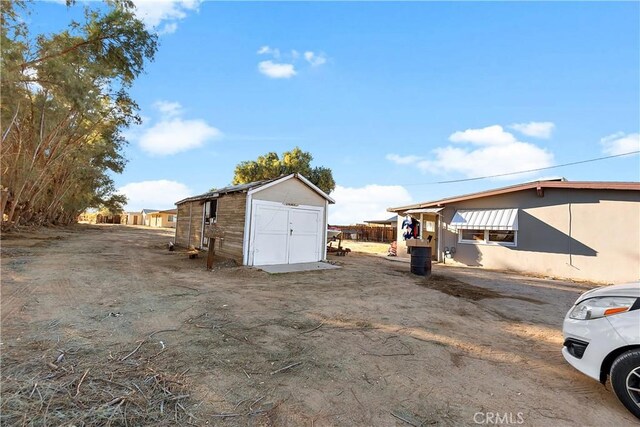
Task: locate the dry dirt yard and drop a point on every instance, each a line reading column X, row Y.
column 103, row 325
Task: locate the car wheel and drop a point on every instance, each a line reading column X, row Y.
column 625, row 380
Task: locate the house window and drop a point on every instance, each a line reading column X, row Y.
column 170, row 218
column 506, row 237
column 488, row 237
column 471, row 236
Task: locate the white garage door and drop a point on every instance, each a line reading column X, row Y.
column 285, row 234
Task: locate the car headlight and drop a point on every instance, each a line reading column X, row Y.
column 595, row 308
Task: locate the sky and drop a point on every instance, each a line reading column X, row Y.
column 395, row 98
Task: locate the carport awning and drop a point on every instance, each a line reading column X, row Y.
column 424, row 210
column 486, row 219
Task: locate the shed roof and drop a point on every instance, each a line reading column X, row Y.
column 166, row 211
column 576, row 185
column 392, row 220
column 254, row 186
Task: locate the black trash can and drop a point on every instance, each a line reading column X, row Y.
column 421, row 260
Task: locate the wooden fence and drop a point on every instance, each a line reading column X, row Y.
column 368, row 233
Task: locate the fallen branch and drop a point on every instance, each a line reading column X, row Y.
column 388, row 354
column 80, row 383
column 314, row 329
column 162, row 330
column 229, row 415
column 133, row 352
column 405, row 420
column 293, row 365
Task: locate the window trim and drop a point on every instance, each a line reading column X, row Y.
column 486, row 241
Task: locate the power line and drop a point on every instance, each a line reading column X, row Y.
column 528, row 170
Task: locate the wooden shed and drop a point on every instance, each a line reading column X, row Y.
column 277, row 221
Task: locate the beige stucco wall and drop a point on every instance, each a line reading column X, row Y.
column 161, row 220
column 290, row 191
column 578, row 234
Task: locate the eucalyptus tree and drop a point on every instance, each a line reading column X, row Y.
column 65, row 103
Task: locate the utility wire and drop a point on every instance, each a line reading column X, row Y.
column 528, row 170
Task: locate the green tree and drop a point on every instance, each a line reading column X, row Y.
column 65, row 102
column 271, row 166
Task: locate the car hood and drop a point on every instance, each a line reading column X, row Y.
column 623, row 290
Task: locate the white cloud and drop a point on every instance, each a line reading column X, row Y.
column 315, row 59
column 174, row 135
column 403, row 160
column 355, row 205
column 168, row 12
column 276, row 71
column 31, row 75
column 492, row 160
column 535, row 129
column 160, row 194
column 168, row 108
column 620, row 143
column 284, row 66
column 488, row 151
column 491, row 135
column 169, row 28
column 266, row 50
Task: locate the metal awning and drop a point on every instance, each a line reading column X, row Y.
column 486, row 219
column 424, row 210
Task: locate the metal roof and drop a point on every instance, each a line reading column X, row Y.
column 256, row 186
column 424, row 210
column 391, row 220
column 577, row 185
column 226, row 190
column 485, row 219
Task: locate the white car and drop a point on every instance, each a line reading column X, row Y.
column 602, row 338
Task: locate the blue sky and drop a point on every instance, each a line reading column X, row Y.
column 391, row 96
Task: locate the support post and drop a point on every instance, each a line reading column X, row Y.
column 211, row 253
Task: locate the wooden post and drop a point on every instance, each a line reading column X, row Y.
column 212, row 253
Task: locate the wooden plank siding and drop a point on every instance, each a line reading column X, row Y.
column 230, row 218
column 189, row 224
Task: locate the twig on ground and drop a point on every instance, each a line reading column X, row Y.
column 162, row 330
column 227, row 415
column 311, row 330
column 245, row 372
column 293, row 365
column 240, row 403
column 388, row 354
column 33, row 390
column 80, row 383
column 256, row 401
column 405, row 420
column 356, row 397
column 133, row 352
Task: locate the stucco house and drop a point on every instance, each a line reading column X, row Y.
column 157, row 218
column 276, row 221
column 133, row 218
column 567, row 229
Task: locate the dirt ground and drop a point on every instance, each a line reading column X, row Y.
column 103, row 324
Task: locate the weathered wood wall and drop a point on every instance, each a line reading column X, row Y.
column 230, row 218
column 189, row 224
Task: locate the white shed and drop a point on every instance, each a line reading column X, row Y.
column 277, row 221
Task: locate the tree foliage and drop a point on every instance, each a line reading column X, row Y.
column 65, row 103
column 270, row 166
